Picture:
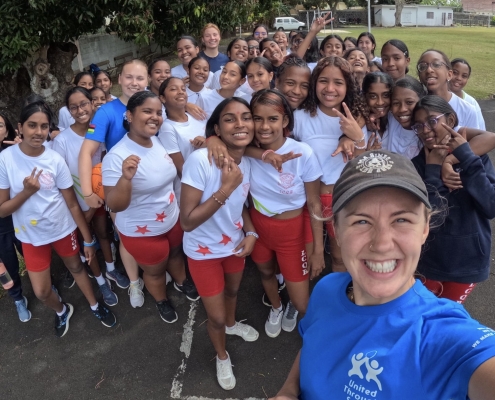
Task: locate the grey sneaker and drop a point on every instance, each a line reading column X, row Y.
column 68, row 280
column 289, row 321
column 136, row 295
column 273, row 324
column 109, row 297
column 121, row 280
column 24, row 313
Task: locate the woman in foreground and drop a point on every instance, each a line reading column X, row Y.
column 381, row 320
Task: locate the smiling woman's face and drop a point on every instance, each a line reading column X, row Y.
column 380, row 233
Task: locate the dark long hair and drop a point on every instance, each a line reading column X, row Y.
column 10, row 130
column 215, row 115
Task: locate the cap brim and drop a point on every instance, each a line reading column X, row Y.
column 376, row 182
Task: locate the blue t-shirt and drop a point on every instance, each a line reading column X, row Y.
column 414, row 347
column 108, row 122
column 215, row 62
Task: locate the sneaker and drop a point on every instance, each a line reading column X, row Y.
column 273, row 324
column 109, row 297
column 88, row 270
column 167, row 311
column 24, row 313
column 225, row 375
column 245, row 331
column 68, row 280
column 120, row 279
column 168, row 278
column 188, row 289
column 266, row 301
column 56, row 291
column 62, row 322
column 105, row 316
column 289, row 321
column 136, row 295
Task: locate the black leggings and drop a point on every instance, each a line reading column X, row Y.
column 8, row 245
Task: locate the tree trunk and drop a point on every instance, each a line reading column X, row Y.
column 48, row 73
column 399, row 5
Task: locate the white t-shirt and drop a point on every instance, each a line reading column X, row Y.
column 215, row 83
column 180, row 72
column 209, row 101
column 322, row 133
column 377, row 59
column 399, row 140
column 153, row 209
column 222, row 232
column 471, row 100
column 44, row 217
column 192, row 97
column 68, row 144
column 466, row 114
column 176, row 136
column 275, row 192
column 64, row 118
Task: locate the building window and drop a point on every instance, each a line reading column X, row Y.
column 429, row 15
column 450, row 16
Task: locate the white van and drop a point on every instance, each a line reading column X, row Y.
column 288, row 24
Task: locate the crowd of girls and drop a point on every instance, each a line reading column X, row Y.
column 232, row 155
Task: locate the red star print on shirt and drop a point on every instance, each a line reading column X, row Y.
column 239, row 225
column 160, row 217
column 203, row 250
column 225, row 240
column 142, row 229
column 171, row 198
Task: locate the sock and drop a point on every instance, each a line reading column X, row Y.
column 278, row 309
column 83, row 259
column 95, row 307
column 100, row 280
column 135, row 282
column 224, row 361
column 280, row 278
column 110, row 266
column 62, row 312
column 230, row 328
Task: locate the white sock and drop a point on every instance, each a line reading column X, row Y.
column 135, row 282
column 83, row 259
column 280, row 278
column 95, row 307
column 100, row 280
column 224, row 361
column 278, row 309
column 231, row 328
column 110, row 266
column 62, row 312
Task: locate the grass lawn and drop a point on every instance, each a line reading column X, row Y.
column 475, row 44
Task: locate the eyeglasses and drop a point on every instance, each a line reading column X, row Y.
column 423, row 66
column 253, row 48
column 297, row 41
column 73, row 109
column 431, row 123
column 260, row 34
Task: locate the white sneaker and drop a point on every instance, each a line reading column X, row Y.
column 225, row 375
column 273, row 324
column 136, row 295
column 289, row 321
column 245, row 331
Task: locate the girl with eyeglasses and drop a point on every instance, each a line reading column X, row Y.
column 457, row 253
column 253, row 47
column 83, row 79
column 260, row 32
column 435, row 72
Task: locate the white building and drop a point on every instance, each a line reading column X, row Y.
column 414, row 15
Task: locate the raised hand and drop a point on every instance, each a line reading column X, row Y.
column 349, row 125
column 231, row 176
column 130, row 166
column 31, row 183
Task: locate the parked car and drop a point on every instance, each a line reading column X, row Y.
column 288, row 24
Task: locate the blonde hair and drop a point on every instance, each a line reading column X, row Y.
column 210, row 25
column 134, row 61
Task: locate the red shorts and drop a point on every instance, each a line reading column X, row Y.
column 308, row 232
column 152, row 250
column 38, row 258
column 208, row 275
column 454, row 291
column 326, row 210
column 283, row 239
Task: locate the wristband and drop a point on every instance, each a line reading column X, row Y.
column 263, row 156
column 90, row 244
column 359, row 147
column 252, row 234
column 360, row 140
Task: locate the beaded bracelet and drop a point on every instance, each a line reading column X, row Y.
column 218, row 201
column 263, row 156
column 359, row 147
column 252, row 234
column 90, row 244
